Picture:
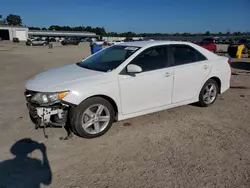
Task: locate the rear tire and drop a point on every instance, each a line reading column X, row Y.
column 92, row 118
column 208, row 93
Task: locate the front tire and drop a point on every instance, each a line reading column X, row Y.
column 208, row 93
column 93, row 117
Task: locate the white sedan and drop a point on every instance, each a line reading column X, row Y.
column 125, row 81
column 99, row 42
column 115, row 42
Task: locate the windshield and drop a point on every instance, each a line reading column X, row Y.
column 108, row 59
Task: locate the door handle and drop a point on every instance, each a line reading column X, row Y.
column 206, row 66
column 167, row 74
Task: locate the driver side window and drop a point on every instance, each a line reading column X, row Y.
column 152, row 58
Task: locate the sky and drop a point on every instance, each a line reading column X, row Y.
column 150, row 16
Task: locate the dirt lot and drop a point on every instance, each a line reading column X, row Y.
column 183, row 147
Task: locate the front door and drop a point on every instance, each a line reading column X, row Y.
column 152, row 87
column 191, row 69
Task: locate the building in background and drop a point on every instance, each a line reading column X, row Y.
column 10, row 32
column 62, row 34
column 23, row 33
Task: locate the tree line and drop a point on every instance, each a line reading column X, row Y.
column 15, row 20
column 102, row 32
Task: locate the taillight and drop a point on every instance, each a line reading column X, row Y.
column 229, row 60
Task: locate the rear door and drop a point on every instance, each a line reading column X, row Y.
column 191, row 68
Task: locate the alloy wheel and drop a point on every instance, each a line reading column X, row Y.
column 210, row 93
column 95, row 119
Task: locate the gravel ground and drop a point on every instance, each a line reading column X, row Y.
column 182, row 147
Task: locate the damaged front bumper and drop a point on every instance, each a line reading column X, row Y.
column 54, row 115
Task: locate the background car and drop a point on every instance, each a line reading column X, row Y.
column 61, row 39
column 51, row 39
column 73, row 41
column 118, row 42
column 36, row 42
column 16, row 40
column 233, row 41
column 212, row 40
column 218, row 41
column 208, row 45
column 100, row 42
column 128, row 40
column 86, row 40
column 225, row 41
column 115, row 42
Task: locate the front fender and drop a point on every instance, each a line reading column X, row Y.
column 77, row 95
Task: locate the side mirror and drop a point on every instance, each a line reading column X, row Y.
column 133, row 69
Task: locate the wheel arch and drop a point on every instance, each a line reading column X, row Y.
column 218, row 81
column 110, row 100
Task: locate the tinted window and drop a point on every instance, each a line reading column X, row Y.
column 109, row 58
column 183, row 54
column 152, row 59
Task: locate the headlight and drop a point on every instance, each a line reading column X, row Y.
column 46, row 98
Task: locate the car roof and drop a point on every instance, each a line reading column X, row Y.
column 147, row 44
column 143, row 44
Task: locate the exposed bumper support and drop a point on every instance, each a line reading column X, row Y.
column 46, row 113
column 54, row 116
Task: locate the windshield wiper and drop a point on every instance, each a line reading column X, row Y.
column 84, row 66
column 88, row 67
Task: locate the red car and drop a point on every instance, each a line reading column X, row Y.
column 207, row 45
column 209, row 40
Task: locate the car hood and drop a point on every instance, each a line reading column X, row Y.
column 56, row 79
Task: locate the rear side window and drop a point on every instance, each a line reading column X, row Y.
column 184, row 54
